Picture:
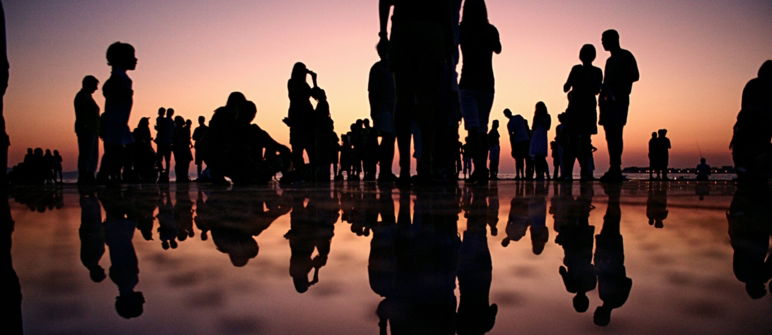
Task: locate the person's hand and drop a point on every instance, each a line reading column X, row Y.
column 313, row 74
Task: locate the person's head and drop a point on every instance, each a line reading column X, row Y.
column 602, row 316
column 703, row 160
column 248, row 113
column 610, row 40
column 121, row 56
column 581, row 302
column 169, row 112
column 765, row 71
column 144, row 123
column 56, row 152
column 97, row 274
column 495, row 124
column 299, row 71
column 90, row 84
column 29, row 151
column 129, row 305
column 179, row 121
column 541, row 108
column 48, row 152
column 188, row 122
column 662, row 132
column 507, row 113
column 359, row 123
column 201, row 120
column 366, row 123
column 755, row 290
column 383, row 47
column 653, row 134
column 475, row 11
column 161, row 111
column 587, row 54
column 562, row 117
column 38, row 152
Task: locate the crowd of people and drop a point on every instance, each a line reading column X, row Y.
column 417, row 101
column 38, row 168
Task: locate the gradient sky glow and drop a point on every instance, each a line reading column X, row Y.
column 694, row 58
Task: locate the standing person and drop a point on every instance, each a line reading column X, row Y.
column 370, row 153
column 703, row 170
column 479, row 40
column 422, row 39
column 653, row 154
column 165, row 140
column 4, row 140
column 584, row 83
column 300, row 113
column 751, row 148
column 494, row 148
column 663, row 144
column 58, row 168
column 181, row 148
column 87, row 130
column 382, row 95
column 119, row 98
column 199, row 135
column 557, row 153
column 538, row 148
column 143, row 154
column 620, row 74
column 519, row 139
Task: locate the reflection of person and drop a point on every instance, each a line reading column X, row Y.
column 613, row 284
column 749, row 233
column 124, row 268
column 4, row 141
column 311, row 229
column 656, row 205
column 10, row 289
column 620, row 74
column 87, row 129
column 92, row 236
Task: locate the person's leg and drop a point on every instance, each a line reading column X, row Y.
column 387, row 155
column 614, row 135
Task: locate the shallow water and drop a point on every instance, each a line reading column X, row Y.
column 211, row 260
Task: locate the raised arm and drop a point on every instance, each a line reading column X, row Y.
column 384, row 9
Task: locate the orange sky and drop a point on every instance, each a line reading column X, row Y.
column 694, row 58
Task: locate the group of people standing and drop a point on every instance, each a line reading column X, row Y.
column 659, row 154
column 38, row 168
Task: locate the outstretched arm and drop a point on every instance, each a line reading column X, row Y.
column 384, row 9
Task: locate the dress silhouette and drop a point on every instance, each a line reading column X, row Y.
column 538, row 147
column 583, row 84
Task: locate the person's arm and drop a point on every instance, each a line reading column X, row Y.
column 384, row 9
column 569, row 81
column 634, row 75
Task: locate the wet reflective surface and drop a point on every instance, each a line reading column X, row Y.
column 514, row 257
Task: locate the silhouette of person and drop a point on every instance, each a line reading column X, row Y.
column 58, row 178
column 538, row 146
column 584, row 83
column 613, row 284
column 663, row 149
column 423, row 44
column 653, row 156
column 620, row 74
column 92, row 235
column 199, row 136
column 495, row 150
column 10, row 288
column 382, row 95
column 181, row 149
column 323, row 137
column 124, row 268
column 300, row 113
column 4, row 67
column 49, row 167
column 703, row 170
column 751, row 148
column 479, row 40
column 144, row 156
column 656, row 205
column 370, row 150
column 519, row 139
column 164, row 139
column 475, row 313
column 167, row 228
column 119, row 98
column 87, row 130
column 311, row 228
column 557, row 153
column 749, row 234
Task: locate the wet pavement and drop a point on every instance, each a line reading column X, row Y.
column 510, row 258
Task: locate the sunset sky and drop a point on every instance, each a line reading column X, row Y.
column 694, row 58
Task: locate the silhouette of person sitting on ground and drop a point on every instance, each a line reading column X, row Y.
column 87, row 130
column 119, row 98
column 620, row 74
column 751, row 147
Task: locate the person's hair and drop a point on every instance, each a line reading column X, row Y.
column 299, row 71
column 587, row 53
column 89, row 81
column 496, row 123
column 161, row 111
column 144, row 121
column 611, row 35
column 249, row 112
column 179, row 119
column 170, row 111
column 765, row 71
column 201, row 118
column 653, row 134
column 581, row 302
column 120, row 54
column 235, row 100
column 383, row 47
column 475, row 11
column 541, row 108
column 130, row 305
column 507, row 112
